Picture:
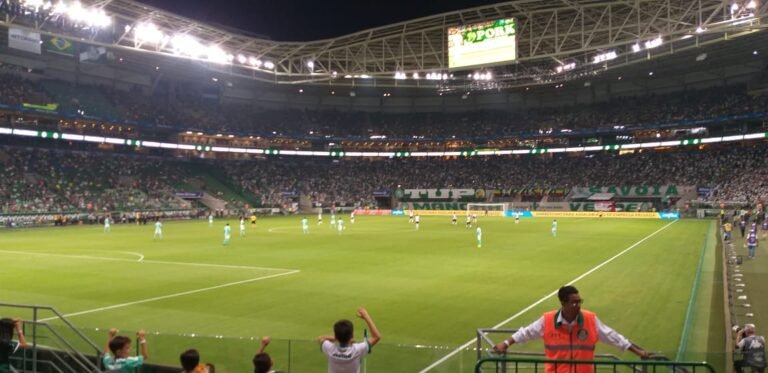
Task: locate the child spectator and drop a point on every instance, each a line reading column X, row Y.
column 117, row 352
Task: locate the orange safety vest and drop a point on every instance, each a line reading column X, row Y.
column 576, row 344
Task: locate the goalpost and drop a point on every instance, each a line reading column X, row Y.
column 487, row 209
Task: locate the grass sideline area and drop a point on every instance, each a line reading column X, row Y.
column 427, row 290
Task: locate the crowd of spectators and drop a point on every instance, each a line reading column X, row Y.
column 343, row 353
column 15, row 90
column 732, row 174
column 190, row 108
column 42, row 180
column 190, row 111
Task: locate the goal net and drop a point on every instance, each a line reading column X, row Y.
column 487, row 209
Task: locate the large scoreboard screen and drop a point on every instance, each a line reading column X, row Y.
column 481, row 44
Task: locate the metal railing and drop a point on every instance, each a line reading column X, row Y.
column 64, row 353
column 535, row 361
column 516, row 364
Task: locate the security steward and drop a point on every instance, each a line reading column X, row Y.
column 570, row 333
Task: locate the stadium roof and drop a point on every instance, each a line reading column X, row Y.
column 578, row 38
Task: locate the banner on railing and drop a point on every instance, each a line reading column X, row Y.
column 599, row 214
column 373, row 212
column 47, row 108
column 637, row 191
column 438, row 194
column 24, row 40
column 189, row 195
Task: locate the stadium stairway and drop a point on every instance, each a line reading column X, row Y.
column 73, row 98
column 214, row 185
column 213, row 203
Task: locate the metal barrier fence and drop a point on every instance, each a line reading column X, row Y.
column 69, row 343
column 517, row 364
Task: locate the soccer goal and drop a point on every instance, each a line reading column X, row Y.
column 487, row 209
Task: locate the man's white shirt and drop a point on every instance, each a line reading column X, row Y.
column 605, row 333
column 345, row 359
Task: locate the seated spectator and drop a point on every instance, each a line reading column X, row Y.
column 752, row 347
column 117, row 352
column 343, row 354
column 7, row 345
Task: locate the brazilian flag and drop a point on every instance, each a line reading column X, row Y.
column 60, row 46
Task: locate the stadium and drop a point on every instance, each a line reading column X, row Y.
column 484, row 183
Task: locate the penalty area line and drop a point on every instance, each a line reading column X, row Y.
column 174, row 295
column 544, row 298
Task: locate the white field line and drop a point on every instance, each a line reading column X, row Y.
column 141, row 259
column 140, row 255
column 175, row 295
column 544, row 298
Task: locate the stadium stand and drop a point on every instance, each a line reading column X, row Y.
column 189, row 110
column 54, row 181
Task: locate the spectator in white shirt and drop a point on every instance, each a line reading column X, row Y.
column 343, row 354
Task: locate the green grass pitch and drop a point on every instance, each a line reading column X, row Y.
column 428, row 291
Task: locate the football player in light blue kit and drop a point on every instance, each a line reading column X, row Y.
column 304, row 225
column 107, row 229
column 227, row 234
column 479, row 233
column 158, row 230
column 554, row 228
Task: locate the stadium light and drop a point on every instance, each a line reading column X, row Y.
column 269, row 65
column 603, row 57
column 650, row 44
column 415, row 75
column 148, row 33
column 242, row 59
column 216, row 54
column 186, row 45
column 311, row 64
column 636, row 48
column 400, row 76
column 566, row 67
column 752, row 5
column 253, row 61
column 89, row 17
column 34, row 4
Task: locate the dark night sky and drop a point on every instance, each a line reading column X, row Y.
column 304, row 20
